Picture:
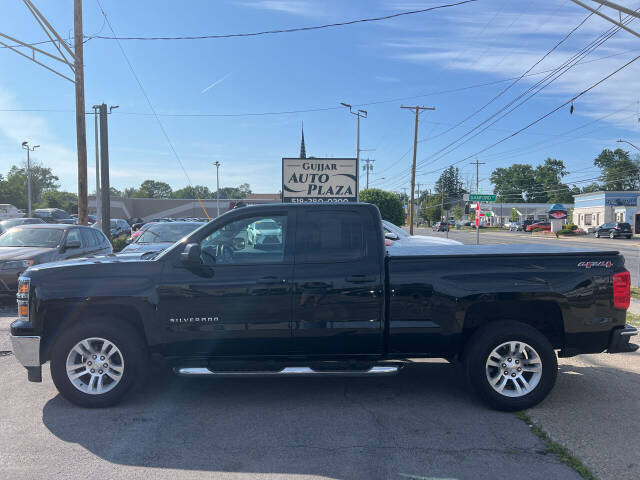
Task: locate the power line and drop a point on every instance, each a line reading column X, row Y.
column 144, row 92
column 291, row 30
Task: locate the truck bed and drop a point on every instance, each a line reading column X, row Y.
column 490, row 250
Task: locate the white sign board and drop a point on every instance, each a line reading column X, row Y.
column 319, row 180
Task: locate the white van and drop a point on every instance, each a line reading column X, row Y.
column 8, row 211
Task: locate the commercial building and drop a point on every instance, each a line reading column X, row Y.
column 593, row 209
column 501, row 212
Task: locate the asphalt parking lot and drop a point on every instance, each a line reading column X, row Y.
column 423, row 423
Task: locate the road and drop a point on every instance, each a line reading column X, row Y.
column 630, row 249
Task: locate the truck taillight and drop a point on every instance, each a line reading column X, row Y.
column 622, row 290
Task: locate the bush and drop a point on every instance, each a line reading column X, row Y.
column 390, row 204
column 118, row 243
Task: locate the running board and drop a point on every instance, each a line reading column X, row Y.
column 378, row 370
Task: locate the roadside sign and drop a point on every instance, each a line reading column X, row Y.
column 319, row 180
column 481, row 197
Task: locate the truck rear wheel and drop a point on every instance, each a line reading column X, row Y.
column 510, row 365
column 95, row 363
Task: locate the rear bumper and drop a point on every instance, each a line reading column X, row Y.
column 620, row 337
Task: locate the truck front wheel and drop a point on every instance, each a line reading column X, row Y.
column 95, row 363
column 510, row 365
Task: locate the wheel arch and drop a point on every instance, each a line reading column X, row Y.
column 58, row 318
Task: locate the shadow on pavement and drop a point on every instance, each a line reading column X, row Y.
column 421, row 423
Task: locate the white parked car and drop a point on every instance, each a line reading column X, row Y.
column 397, row 236
column 264, row 233
column 8, row 211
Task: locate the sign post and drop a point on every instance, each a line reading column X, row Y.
column 478, row 223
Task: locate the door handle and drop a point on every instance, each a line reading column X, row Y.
column 360, row 279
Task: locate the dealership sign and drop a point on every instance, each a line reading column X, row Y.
column 319, row 180
column 558, row 211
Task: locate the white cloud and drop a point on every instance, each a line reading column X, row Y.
column 294, row 7
column 464, row 44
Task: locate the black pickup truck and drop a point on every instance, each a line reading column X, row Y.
column 296, row 290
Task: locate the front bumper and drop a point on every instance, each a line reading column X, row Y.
column 27, row 350
column 620, row 337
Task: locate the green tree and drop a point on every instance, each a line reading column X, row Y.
column 153, row 189
column 449, row 186
column 390, row 205
column 619, row 171
column 523, row 183
column 114, row 192
column 199, row 191
column 514, row 216
column 130, row 192
column 55, row 199
column 235, row 192
column 430, row 208
column 593, row 187
column 457, row 212
column 14, row 189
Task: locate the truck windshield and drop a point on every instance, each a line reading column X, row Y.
column 34, row 237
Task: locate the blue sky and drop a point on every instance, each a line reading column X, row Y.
column 412, row 56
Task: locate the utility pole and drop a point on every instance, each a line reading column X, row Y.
column 98, row 190
column 477, row 164
column 358, row 114
column 417, row 110
column 105, row 189
column 81, row 127
column 217, row 164
column 25, row 145
column 367, row 167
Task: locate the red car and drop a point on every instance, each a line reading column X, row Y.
column 546, row 226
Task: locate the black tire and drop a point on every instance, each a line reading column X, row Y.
column 597, row 234
column 128, row 341
column 481, row 345
column 612, row 235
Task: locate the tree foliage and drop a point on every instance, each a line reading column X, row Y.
column 449, row 186
column 198, row 191
column 390, row 204
column 523, row 183
column 431, row 207
column 619, row 171
column 153, row 189
column 13, row 190
column 235, row 192
column 56, row 199
column 514, row 216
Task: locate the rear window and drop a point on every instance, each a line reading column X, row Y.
column 624, row 226
column 324, row 236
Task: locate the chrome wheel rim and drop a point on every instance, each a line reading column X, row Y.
column 95, row 366
column 514, row 369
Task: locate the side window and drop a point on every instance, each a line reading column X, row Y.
column 258, row 239
column 330, row 236
column 87, row 237
column 73, row 236
column 98, row 237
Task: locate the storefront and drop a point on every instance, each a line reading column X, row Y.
column 594, row 209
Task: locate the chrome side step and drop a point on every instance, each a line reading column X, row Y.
column 377, row 370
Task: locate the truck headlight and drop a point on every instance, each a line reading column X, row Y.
column 16, row 264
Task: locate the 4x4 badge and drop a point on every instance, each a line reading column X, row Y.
column 607, row 264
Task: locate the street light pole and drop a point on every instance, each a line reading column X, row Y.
column 359, row 113
column 625, row 141
column 217, row 164
column 25, row 145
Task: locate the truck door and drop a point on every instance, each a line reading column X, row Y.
column 338, row 282
column 239, row 301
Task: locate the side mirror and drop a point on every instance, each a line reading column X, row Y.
column 191, row 254
column 391, row 236
column 72, row 244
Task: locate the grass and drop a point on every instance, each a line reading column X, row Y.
column 635, row 292
column 561, row 452
column 633, row 319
